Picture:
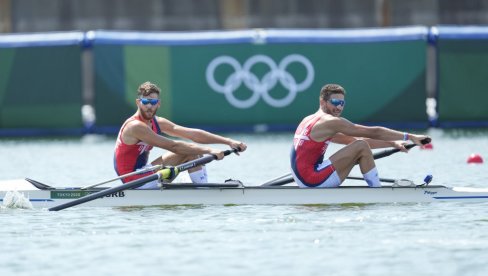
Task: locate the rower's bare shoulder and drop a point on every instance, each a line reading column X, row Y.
column 327, row 119
column 135, row 124
column 165, row 124
column 134, row 129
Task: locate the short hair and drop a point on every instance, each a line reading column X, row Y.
column 147, row 88
column 330, row 89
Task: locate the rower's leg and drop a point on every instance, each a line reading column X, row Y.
column 372, row 178
column 356, row 152
column 199, row 176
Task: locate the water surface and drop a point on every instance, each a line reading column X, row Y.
column 373, row 239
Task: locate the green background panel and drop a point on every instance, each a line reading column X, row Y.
column 148, row 63
column 463, row 80
column 384, row 81
column 43, row 115
column 7, row 56
column 110, row 104
column 41, row 87
column 119, row 70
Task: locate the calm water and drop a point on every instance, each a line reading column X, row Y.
column 378, row 239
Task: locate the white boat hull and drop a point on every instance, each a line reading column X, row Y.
column 277, row 195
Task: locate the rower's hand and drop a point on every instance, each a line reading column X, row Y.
column 238, row 145
column 400, row 145
column 218, row 154
column 418, row 139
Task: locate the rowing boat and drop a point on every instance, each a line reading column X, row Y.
column 26, row 193
column 44, row 196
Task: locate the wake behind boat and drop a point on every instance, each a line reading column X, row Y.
column 44, row 196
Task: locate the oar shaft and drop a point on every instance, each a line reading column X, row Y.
column 130, row 185
column 202, row 160
column 389, row 152
column 199, row 185
column 148, row 169
column 288, row 179
column 195, row 163
column 274, row 180
column 388, row 180
column 139, row 182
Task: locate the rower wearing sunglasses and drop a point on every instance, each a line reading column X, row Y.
column 143, row 131
column 309, row 166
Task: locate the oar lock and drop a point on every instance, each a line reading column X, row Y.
column 168, row 174
column 403, row 183
column 410, row 183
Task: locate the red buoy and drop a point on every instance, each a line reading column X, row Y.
column 475, row 158
column 429, row 146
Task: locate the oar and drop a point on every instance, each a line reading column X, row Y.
column 287, row 178
column 201, row 185
column 148, row 169
column 399, row 182
column 386, row 153
column 165, row 173
column 387, row 180
column 275, row 179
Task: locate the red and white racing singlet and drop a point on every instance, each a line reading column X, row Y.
column 128, row 158
column 307, row 154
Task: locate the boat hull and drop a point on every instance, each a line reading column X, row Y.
column 254, row 195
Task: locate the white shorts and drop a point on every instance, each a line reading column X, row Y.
column 182, row 177
column 153, row 185
column 150, row 185
column 331, row 182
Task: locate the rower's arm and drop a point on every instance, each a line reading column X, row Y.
column 373, row 132
column 197, row 135
column 141, row 132
column 340, row 138
column 377, row 144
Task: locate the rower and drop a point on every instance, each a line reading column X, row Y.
column 310, row 168
column 143, row 131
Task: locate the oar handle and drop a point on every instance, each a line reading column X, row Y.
column 233, row 150
column 386, row 153
column 203, row 160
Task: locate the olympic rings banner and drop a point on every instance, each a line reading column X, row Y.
column 277, row 74
column 246, row 78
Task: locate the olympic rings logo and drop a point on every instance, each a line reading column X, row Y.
column 259, row 87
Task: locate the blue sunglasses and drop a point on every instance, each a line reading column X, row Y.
column 337, row 102
column 146, row 101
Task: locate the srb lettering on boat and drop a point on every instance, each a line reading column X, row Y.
column 116, row 194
